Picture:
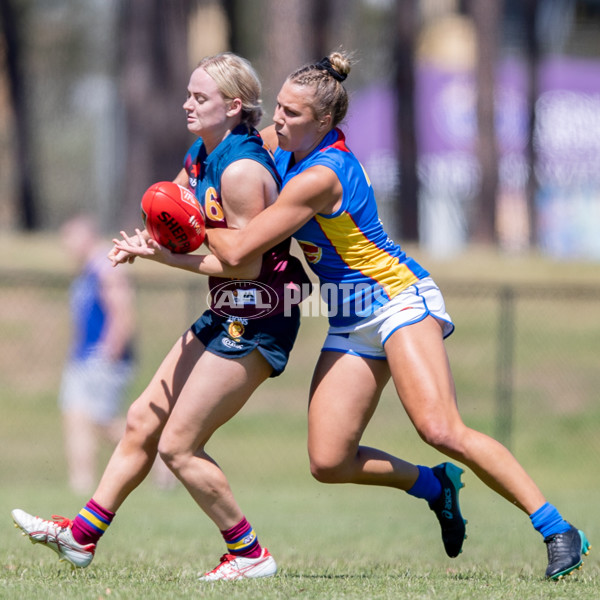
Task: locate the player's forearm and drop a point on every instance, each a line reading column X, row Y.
column 228, row 246
column 209, row 264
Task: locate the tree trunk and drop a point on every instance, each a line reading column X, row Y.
column 320, row 18
column 533, row 59
column 487, row 19
column 154, row 78
column 26, row 204
column 408, row 194
column 232, row 13
column 288, row 43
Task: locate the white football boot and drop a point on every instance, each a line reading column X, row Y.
column 56, row 535
column 241, row 567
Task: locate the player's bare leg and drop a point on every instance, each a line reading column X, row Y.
column 129, row 464
column 345, row 393
column 205, row 403
column 136, row 452
column 421, row 373
column 422, row 377
column 183, row 368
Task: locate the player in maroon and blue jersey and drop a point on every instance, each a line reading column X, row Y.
column 216, row 365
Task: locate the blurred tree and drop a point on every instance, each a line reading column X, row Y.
column 154, row 74
column 232, row 12
column 320, row 19
column 487, row 18
column 404, row 60
column 288, row 40
column 12, row 21
column 532, row 65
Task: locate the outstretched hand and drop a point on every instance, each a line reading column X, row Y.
column 130, row 247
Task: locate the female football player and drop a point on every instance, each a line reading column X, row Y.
column 387, row 317
column 212, row 370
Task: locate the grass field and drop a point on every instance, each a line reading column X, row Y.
column 331, row 542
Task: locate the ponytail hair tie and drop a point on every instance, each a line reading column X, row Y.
column 325, row 65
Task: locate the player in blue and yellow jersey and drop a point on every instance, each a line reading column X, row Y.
column 359, row 266
column 387, row 316
column 216, row 365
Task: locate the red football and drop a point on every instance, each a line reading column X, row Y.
column 173, row 217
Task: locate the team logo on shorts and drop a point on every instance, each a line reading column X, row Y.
column 236, row 329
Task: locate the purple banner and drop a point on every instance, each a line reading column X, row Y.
column 567, row 141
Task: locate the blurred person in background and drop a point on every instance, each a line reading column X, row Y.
column 100, row 364
column 387, row 318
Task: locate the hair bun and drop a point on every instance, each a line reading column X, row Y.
column 341, row 63
column 325, row 65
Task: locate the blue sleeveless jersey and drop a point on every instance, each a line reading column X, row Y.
column 359, row 267
column 279, row 269
column 88, row 314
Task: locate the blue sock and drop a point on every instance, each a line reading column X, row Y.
column 547, row 521
column 427, row 485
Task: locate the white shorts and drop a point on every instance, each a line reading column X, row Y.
column 367, row 337
column 95, row 387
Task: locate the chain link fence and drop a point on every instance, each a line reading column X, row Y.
column 525, row 357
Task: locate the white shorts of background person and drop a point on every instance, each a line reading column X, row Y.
column 96, row 387
column 91, row 399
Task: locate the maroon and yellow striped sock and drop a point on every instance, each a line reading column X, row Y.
column 91, row 523
column 241, row 540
